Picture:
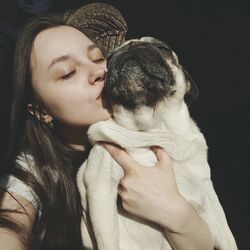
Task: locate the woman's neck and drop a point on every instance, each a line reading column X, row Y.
column 75, row 137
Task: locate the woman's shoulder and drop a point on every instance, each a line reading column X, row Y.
column 13, row 184
column 26, row 162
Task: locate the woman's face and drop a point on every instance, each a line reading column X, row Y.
column 68, row 72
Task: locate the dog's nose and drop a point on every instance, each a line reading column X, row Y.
column 129, row 41
column 133, row 43
column 124, row 48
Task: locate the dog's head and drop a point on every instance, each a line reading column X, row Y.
column 142, row 74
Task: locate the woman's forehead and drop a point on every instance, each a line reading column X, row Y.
column 58, row 41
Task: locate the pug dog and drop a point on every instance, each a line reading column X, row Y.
column 147, row 88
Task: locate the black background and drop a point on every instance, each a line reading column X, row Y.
column 212, row 41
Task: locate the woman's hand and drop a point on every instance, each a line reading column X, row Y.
column 150, row 192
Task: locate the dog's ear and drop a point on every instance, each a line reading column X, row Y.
column 192, row 91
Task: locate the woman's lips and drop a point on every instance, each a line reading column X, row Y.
column 100, row 94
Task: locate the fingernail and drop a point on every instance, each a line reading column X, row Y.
column 155, row 147
column 104, row 144
column 107, row 145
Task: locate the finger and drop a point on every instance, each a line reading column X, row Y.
column 120, row 189
column 164, row 160
column 121, row 157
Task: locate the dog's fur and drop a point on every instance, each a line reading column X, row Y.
column 146, row 86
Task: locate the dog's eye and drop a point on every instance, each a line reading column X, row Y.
column 163, row 48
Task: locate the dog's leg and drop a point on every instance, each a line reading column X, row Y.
column 102, row 178
column 110, row 131
column 86, row 231
column 214, row 215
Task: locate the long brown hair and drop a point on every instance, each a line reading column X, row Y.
column 58, row 226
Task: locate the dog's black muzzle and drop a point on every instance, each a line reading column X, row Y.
column 138, row 74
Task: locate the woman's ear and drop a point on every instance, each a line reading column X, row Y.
column 42, row 115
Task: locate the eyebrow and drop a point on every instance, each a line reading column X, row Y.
column 59, row 59
column 67, row 57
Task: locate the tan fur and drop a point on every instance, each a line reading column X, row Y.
column 170, row 126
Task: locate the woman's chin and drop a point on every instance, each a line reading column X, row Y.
column 104, row 114
column 107, row 115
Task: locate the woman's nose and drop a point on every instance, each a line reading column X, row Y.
column 98, row 75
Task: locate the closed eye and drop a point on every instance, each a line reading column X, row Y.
column 96, row 55
column 99, row 60
column 68, row 76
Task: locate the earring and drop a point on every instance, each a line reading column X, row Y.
column 50, row 124
column 48, row 120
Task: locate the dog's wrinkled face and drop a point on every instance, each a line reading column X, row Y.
column 139, row 74
column 143, row 73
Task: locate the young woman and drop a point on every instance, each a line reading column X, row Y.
column 58, row 81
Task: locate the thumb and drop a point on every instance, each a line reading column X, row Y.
column 164, row 160
column 126, row 162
